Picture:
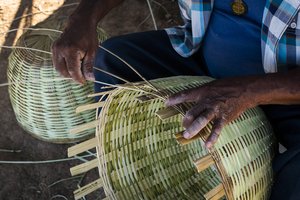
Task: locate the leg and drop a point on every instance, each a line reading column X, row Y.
column 287, row 175
column 150, row 53
column 286, row 124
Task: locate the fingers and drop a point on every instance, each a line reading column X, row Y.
column 67, row 64
column 215, row 132
column 198, row 124
column 60, row 66
column 73, row 61
column 59, row 63
column 192, row 114
column 184, row 96
column 87, row 66
column 68, row 61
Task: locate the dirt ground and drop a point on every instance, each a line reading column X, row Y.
column 47, row 181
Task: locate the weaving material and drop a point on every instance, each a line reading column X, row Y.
column 142, row 155
column 42, row 101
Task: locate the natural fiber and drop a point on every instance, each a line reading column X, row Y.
column 44, row 108
column 142, row 156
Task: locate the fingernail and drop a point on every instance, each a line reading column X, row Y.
column 186, row 135
column 83, row 81
column 167, row 102
column 80, row 83
column 208, row 145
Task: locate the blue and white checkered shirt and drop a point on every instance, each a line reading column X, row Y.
column 280, row 33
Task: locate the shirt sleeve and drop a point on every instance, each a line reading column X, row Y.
column 186, row 39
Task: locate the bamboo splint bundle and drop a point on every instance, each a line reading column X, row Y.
column 43, row 102
column 142, row 155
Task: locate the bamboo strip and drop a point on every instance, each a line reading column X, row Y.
column 182, row 141
column 146, row 97
column 138, row 157
column 167, row 113
column 84, row 127
column 178, row 135
column 130, row 67
column 204, row 163
column 100, row 93
column 92, row 106
column 216, row 193
column 87, row 189
column 43, row 102
column 82, row 147
column 84, row 167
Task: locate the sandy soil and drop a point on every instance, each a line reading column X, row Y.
column 39, row 181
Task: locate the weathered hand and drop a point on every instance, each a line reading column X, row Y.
column 219, row 102
column 73, row 53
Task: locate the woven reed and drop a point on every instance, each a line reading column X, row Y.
column 140, row 158
column 42, row 101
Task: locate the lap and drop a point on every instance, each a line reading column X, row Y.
column 285, row 121
column 150, row 53
column 153, row 56
column 287, row 175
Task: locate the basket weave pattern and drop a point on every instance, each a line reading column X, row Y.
column 44, row 103
column 139, row 157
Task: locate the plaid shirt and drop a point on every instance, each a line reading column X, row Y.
column 280, row 33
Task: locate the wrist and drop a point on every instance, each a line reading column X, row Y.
column 254, row 90
column 253, row 96
column 88, row 13
column 282, row 88
column 82, row 20
column 82, row 17
column 92, row 11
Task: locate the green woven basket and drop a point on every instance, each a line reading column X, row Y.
column 141, row 154
column 43, row 102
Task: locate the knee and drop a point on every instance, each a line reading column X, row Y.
column 103, row 57
column 106, row 63
column 287, row 182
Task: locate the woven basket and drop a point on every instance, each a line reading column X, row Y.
column 142, row 155
column 43, row 102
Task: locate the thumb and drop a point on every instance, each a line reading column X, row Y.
column 181, row 97
column 88, row 65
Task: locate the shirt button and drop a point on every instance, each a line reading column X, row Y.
column 293, row 25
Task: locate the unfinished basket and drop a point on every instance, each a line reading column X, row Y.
column 142, row 155
column 42, row 101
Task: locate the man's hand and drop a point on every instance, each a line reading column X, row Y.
column 218, row 102
column 74, row 52
column 222, row 101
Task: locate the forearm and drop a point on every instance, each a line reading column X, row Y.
column 92, row 11
column 277, row 88
column 223, row 100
